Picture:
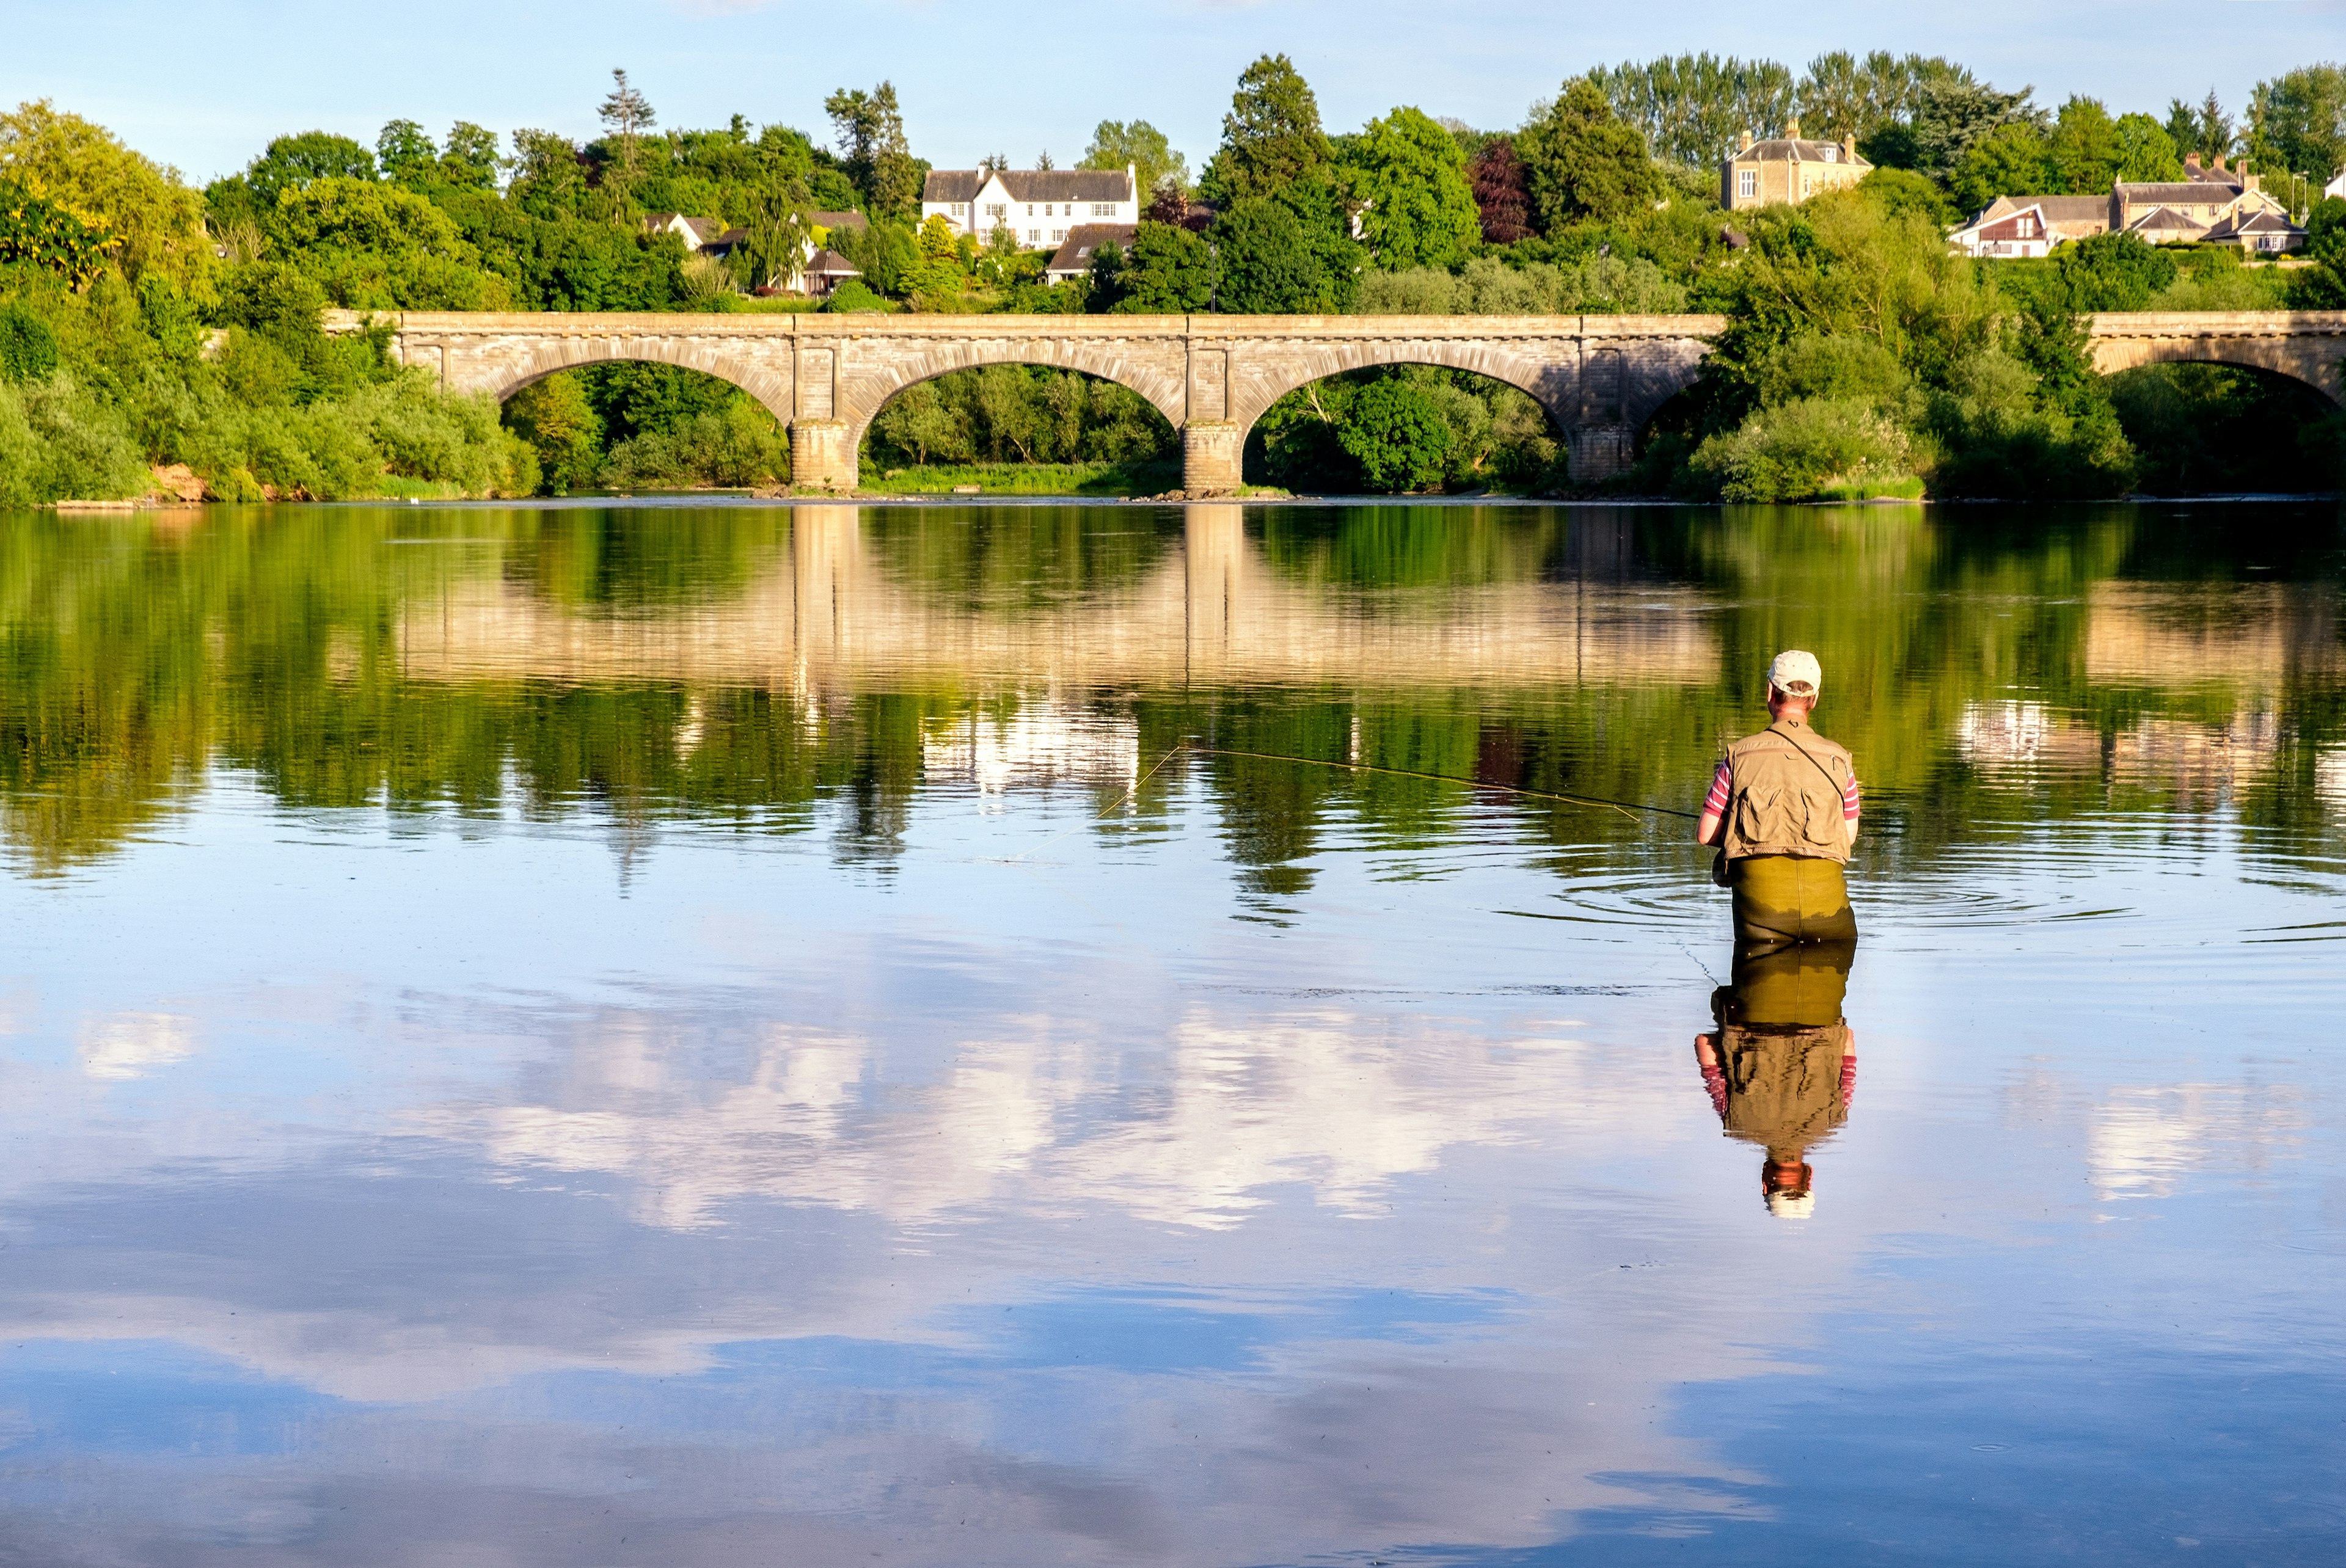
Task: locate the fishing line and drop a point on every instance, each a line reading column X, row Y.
column 1624, row 806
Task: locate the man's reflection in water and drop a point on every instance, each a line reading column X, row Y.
column 1783, row 1063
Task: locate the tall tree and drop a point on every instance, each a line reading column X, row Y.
column 470, row 160
column 1268, row 266
column 1501, row 196
column 406, row 154
column 2144, row 149
column 1418, row 209
column 869, row 133
column 1950, row 115
column 2083, row 149
column 1692, row 108
column 2298, row 123
column 1583, row 162
column 1115, row 143
column 1270, row 137
column 291, row 162
column 2217, row 132
column 2183, row 125
column 627, row 115
column 83, row 167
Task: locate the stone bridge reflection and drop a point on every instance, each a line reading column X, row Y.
column 833, row 616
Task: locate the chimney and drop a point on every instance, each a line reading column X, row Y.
column 2190, row 163
column 1745, row 145
column 1849, row 147
column 1792, row 130
column 2219, row 163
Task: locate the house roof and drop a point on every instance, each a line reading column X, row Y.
column 1798, row 149
column 702, row 229
column 2264, row 220
column 2162, row 220
column 1031, row 184
column 2057, row 210
column 2007, row 225
column 830, row 264
column 2193, row 192
column 1083, row 240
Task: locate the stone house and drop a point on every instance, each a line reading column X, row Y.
column 1787, row 168
column 1038, row 205
column 2210, row 206
column 1073, row 257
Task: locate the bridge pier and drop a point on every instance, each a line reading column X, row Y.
column 1212, row 451
column 822, row 455
column 1599, row 451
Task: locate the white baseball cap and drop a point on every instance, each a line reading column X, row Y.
column 1791, row 1205
column 1796, row 673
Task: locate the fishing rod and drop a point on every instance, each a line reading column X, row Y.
column 1624, row 806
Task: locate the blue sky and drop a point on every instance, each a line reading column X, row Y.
column 204, row 85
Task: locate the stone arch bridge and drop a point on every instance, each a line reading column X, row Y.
column 1600, row 378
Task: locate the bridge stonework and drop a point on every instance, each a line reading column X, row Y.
column 1600, row 378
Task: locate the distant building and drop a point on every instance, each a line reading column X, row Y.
column 2015, row 232
column 1073, row 257
column 1787, row 168
column 1038, row 205
column 2336, row 187
column 820, row 269
column 2212, row 206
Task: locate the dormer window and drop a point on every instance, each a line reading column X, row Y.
column 1832, row 154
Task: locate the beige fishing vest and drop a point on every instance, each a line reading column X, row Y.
column 1785, row 803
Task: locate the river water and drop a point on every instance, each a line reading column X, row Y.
column 727, row 1034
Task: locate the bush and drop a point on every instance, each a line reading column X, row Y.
column 58, row 442
column 852, row 296
column 1398, row 435
column 561, row 426
column 1804, row 449
column 28, row 349
column 735, row 448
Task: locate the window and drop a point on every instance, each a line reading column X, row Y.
column 1103, row 210
column 1058, row 236
column 1030, row 210
column 1832, row 154
column 1746, row 183
column 1033, row 237
column 998, row 211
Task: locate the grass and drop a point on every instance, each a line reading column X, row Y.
column 1027, row 479
column 1908, row 488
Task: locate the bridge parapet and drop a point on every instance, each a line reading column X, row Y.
column 2309, row 345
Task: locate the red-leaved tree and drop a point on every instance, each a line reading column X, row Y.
column 1497, row 176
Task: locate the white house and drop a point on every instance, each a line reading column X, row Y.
column 2335, row 188
column 1038, row 205
column 1074, row 258
column 2023, row 231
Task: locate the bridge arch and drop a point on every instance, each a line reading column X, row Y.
column 866, row 389
column 2307, row 346
column 571, row 353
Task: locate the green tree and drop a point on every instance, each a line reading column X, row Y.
column 939, row 275
column 547, row 176
column 291, row 162
column 1168, row 271
column 2182, row 127
column 2111, row 273
column 2011, row 160
column 2146, row 151
column 1418, row 209
column 1272, row 136
column 2321, row 286
column 1691, row 108
column 870, row 135
column 627, row 114
column 42, row 234
column 2084, row 151
column 1842, row 96
column 28, row 346
column 1268, row 267
column 1580, row 161
column 1155, row 164
column 558, row 421
column 1904, row 190
column 2298, row 123
column 1397, row 435
column 406, row 155
column 1950, row 112
column 85, row 169
column 470, row 160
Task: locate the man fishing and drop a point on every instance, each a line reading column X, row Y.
column 1784, row 810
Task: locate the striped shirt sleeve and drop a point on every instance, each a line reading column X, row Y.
column 1723, row 786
